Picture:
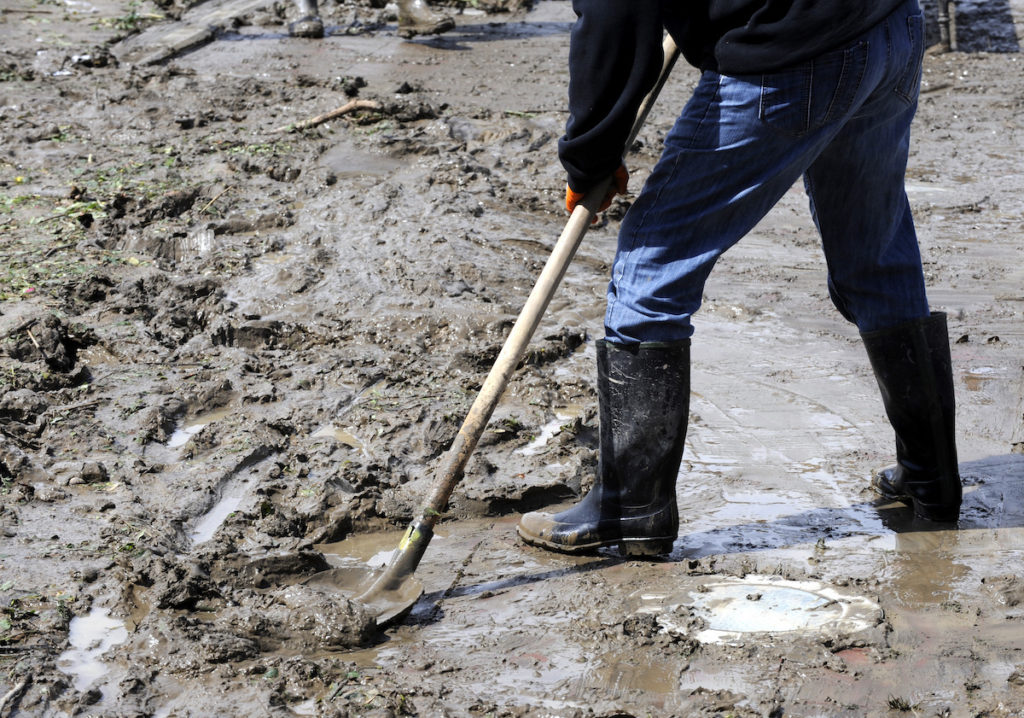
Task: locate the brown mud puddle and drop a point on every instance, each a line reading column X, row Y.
column 840, row 602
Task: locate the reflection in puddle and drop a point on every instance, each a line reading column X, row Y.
column 550, row 430
column 342, row 436
column 621, row 674
column 917, row 187
column 732, row 608
column 189, row 429
column 76, row 6
column 380, row 559
column 181, row 436
column 372, row 549
column 306, row 708
column 90, row 637
column 345, row 160
column 975, row 379
column 199, row 242
column 715, row 678
column 209, row 522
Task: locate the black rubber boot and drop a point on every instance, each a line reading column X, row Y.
column 416, row 18
column 914, row 372
column 309, row 23
column 643, row 399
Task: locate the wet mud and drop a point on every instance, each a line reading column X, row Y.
column 232, row 354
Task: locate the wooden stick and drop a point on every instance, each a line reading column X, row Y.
column 348, row 107
column 210, row 203
column 14, row 694
column 32, row 337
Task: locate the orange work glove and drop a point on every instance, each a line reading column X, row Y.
column 619, row 182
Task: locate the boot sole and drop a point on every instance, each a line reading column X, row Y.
column 629, row 547
column 646, row 547
column 311, row 27
column 939, row 514
column 892, row 495
column 438, row 28
column 923, row 511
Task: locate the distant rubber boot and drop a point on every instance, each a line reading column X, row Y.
column 643, row 402
column 416, row 18
column 309, row 23
column 913, row 368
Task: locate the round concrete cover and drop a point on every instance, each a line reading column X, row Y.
column 732, row 608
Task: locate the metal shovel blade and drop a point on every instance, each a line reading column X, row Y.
column 387, row 604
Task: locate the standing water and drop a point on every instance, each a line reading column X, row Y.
column 90, row 637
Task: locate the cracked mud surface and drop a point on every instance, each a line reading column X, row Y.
column 231, row 356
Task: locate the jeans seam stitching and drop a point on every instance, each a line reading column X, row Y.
column 808, row 100
column 899, row 83
column 829, row 113
column 707, row 109
column 675, row 168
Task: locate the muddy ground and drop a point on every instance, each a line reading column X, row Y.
column 231, row 355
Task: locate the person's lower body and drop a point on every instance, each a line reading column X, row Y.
column 309, row 23
column 912, row 365
column 415, row 17
column 643, row 399
column 843, row 122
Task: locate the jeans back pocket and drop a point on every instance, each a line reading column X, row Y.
column 909, row 82
column 808, row 96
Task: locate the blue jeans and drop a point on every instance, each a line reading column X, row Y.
column 843, row 122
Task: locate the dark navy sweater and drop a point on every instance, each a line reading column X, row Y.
column 615, row 56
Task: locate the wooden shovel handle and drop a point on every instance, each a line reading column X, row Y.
column 450, row 472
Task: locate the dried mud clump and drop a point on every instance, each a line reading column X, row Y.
column 48, row 339
column 309, row 617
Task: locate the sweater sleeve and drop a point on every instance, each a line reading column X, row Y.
column 615, row 56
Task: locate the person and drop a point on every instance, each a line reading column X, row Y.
column 415, row 17
column 825, row 89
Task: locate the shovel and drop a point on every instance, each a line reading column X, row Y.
column 389, row 593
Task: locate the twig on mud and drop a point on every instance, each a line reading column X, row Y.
column 44, row 220
column 14, row 694
column 33, row 338
column 81, row 405
column 217, row 197
column 28, row 324
column 60, row 247
column 345, row 109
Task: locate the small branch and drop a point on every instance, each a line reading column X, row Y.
column 59, row 248
column 52, row 217
column 81, row 405
column 24, row 326
column 210, row 203
column 32, row 337
column 14, row 694
column 345, row 109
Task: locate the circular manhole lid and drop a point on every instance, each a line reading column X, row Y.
column 729, row 609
